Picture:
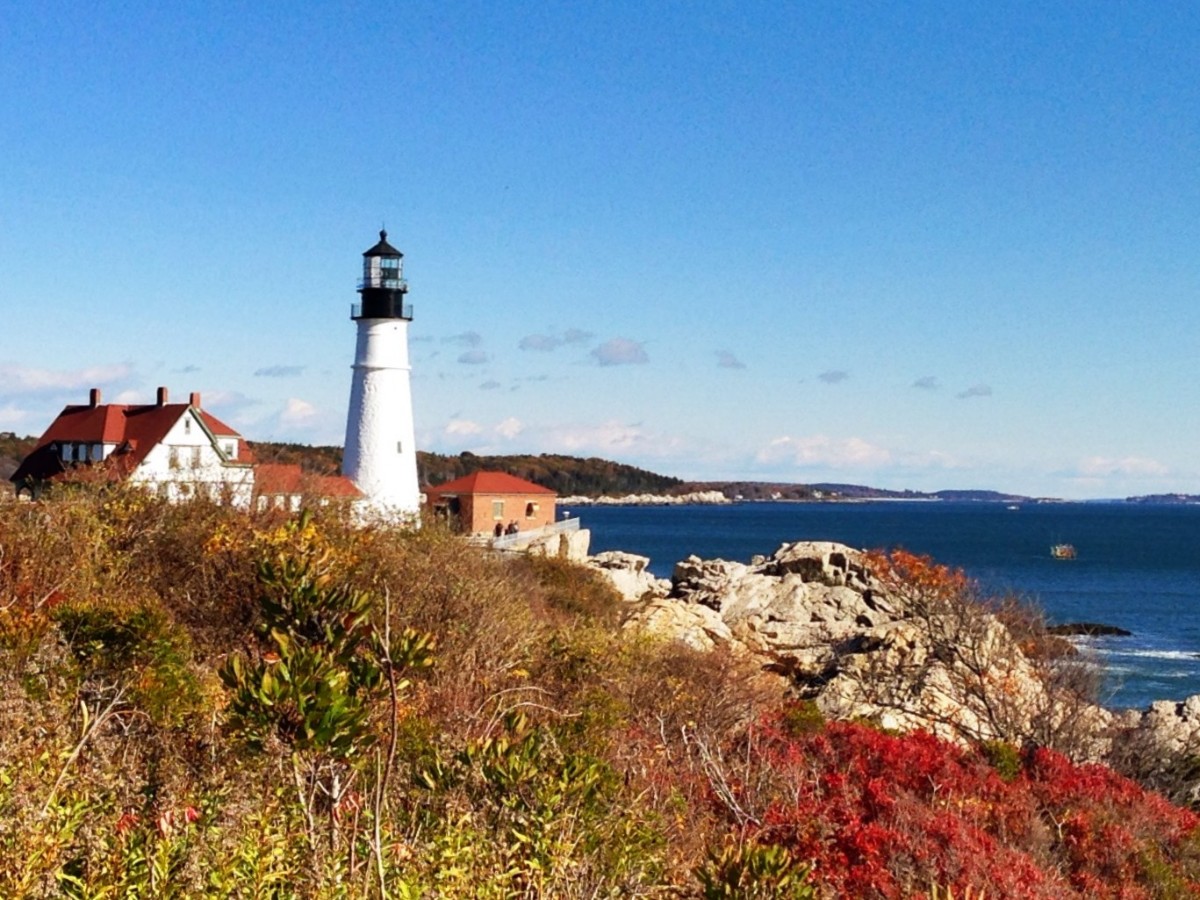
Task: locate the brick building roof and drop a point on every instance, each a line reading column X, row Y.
column 489, row 483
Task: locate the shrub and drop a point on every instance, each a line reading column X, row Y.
column 138, row 650
column 754, row 871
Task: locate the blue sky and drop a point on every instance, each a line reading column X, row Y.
column 918, row 245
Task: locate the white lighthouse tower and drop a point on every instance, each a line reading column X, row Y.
column 381, row 452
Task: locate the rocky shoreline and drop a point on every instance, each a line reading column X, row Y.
column 702, row 498
column 862, row 645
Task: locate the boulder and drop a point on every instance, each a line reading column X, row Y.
column 572, row 545
column 629, row 575
column 814, row 613
column 695, row 626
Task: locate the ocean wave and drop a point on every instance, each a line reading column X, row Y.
column 1177, row 655
column 1130, row 675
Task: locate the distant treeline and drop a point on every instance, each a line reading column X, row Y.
column 573, row 475
column 566, row 475
column 13, row 449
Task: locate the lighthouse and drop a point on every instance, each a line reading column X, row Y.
column 381, row 453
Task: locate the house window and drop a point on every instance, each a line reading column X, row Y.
column 187, row 425
column 195, row 457
column 173, row 457
column 531, row 510
column 231, row 449
column 81, row 452
column 66, row 452
column 497, row 509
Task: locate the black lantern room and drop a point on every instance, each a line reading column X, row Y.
column 383, row 286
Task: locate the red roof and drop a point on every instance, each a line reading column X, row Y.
column 136, row 430
column 490, row 483
column 289, row 479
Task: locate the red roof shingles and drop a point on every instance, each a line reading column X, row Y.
column 489, row 483
column 136, row 430
column 288, row 479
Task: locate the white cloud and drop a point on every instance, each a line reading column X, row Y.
column 975, row 390
column 726, row 360
column 227, row 400
column 614, row 439
column 1132, row 466
column 540, row 342
column 490, row 385
column 462, row 427
column 32, row 379
column 821, row 450
column 547, row 342
column 279, row 372
column 927, row 383
column 834, row 376
column 11, row 416
column 466, row 338
column 297, row 412
column 509, row 428
column 473, row 357
column 620, row 351
column 605, row 436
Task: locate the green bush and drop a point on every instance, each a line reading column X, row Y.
column 139, row 651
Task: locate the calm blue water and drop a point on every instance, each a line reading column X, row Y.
column 1138, row 566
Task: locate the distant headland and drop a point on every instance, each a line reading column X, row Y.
column 582, row 480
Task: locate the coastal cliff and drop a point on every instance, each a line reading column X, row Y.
column 905, row 643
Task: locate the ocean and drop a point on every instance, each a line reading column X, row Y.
column 1138, row 566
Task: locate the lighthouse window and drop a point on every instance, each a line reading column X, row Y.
column 399, row 447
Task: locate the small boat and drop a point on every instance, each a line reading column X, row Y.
column 1063, row 551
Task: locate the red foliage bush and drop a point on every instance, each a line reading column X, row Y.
column 881, row 815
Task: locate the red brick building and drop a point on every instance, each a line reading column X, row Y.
column 478, row 502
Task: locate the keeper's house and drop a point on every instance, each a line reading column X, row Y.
column 177, row 449
column 479, row 502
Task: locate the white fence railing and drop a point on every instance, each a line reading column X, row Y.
column 520, row 538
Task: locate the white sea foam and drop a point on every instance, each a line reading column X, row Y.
column 1180, row 655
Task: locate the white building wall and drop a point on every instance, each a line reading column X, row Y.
column 381, row 452
column 185, row 464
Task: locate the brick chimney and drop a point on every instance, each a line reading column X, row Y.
column 94, row 398
column 194, row 399
column 162, row 396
